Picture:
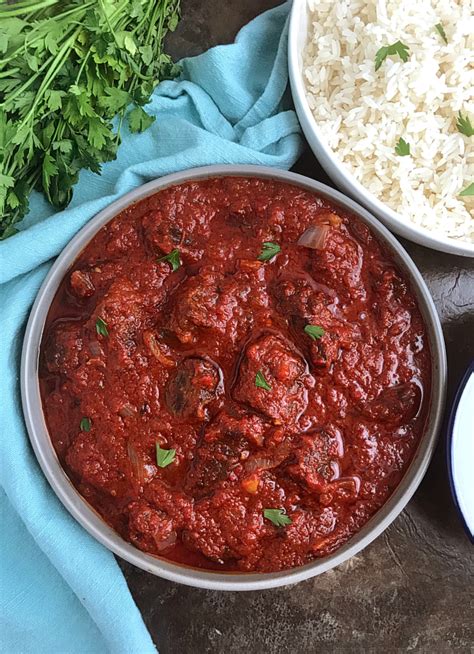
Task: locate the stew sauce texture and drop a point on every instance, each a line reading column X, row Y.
column 211, row 359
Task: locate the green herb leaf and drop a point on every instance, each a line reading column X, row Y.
column 315, row 331
column 7, row 181
column 139, row 120
column 113, row 100
column 464, row 126
column 440, row 29
column 147, row 54
column 277, row 516
column 469, row 190
column 3, row 42
column 85, row 424
column 402, row 148
column 261, row 382
column 54, row 99
column 66, row 72
column 269, row 250
column 173, row 259
column 130, row 44
column 101, row 327
column 164, row 457
column 397, row 48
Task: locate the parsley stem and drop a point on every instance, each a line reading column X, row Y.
column 81, row 69
column 28, row 82
column 61, row 58
column 111, row 29
column 21, row 7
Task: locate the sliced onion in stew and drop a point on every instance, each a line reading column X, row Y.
column 137, row 464
column 314, row 237
column 169, row 541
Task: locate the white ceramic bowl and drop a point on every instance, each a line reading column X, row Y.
column 85, row 514
column 334, row 168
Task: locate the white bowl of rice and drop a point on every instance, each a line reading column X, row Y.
column 397, row 138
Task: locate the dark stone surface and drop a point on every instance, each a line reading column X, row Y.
column 412, row 589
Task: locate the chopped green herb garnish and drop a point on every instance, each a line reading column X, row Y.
column 402, row 148
column 464, row 126
column 315, row 331
column 164, row 457
column 101, row 327
column 397, row 48
column 261, row 382
column 173, row 259
column 469, row 190
column 440, row 29
column 85, row 424
column 269, row 250
column 277, row 516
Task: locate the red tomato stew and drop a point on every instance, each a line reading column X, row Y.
column 235, row 374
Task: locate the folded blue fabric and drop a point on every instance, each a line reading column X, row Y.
column 61, row 592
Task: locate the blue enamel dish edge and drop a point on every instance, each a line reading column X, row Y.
column 449, row 446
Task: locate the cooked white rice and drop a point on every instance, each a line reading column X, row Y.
column 362, row 112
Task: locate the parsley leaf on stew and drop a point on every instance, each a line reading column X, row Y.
column 440, row 29
column 277, row 516
column 85, row 424
column 164, row 457
column 261, row 382
column 315, row 331
column 464, row 126
column 269, row 250
column 402, row 148
column 101, row 327
column 173, row 259
column 469, row 190
column 397, row 48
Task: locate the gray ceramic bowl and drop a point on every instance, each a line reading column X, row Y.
column 91, row 521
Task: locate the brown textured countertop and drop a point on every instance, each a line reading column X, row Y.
column 412, row 590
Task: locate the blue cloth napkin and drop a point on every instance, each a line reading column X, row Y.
column 61, row 592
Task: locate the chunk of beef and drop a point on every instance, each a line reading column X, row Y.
column 101, row 468
column 317, row 458
column 171, row 225
column 64, row 344
column 341, row 260
column 305, row 302
column 195, row 384
column 229, row 525
column 325, row 351
column 238, row 426
column 124, row 326
column 149, row 529
column 202, row 303
column 226, row 444
column 395, row 404
column 304, row 536
column 284, row 370
column 212, row 464
column 300, row 296
column 222, row 304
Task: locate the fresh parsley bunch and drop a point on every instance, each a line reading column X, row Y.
column 67, row 67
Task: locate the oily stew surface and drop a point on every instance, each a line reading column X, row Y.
column 235, row 406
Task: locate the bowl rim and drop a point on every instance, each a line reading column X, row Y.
column 86, row 515
column 451, row 434
column 337, row 170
